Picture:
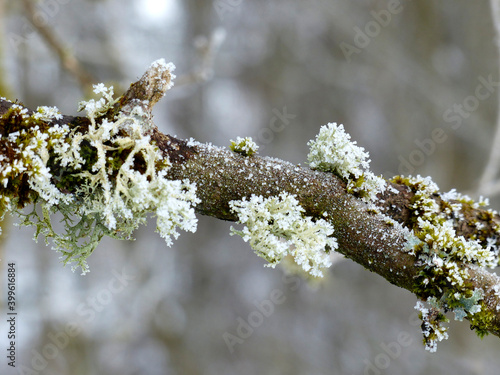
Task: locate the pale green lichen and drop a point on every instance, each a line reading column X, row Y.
column 441, row 254
column 244, row 146
column 333, row 151
column 276, row 227
column 468, row 305
column 111, row 177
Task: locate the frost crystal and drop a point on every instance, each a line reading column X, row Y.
column 115, row 173
column 244, row 146
column 333, row 151
column 276, row 227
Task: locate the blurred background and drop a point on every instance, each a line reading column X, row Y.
column 403, row 78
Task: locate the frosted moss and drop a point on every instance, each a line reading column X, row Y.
column 333, row 151
column 276, row 227
column 110, row 177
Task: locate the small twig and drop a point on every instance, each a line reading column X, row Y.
column 68, row 61
column 491, row 169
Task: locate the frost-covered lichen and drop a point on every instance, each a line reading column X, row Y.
column 244, row 146
column 47, row 113
column 110, row 176
column 432, row 324
column 441, row 254
column 333, row 151
column 276, row 227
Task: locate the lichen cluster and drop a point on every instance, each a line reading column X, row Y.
column 244, row 146
column 276, row 227
column 109, row 176
column 104, row 177
column 441, row 254
column 333, row 151
column 27, row 143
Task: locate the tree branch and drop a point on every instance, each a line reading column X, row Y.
column 376, row 234
column 68, row 61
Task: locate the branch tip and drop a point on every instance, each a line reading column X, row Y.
column 152, row 86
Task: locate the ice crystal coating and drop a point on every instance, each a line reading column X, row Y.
column 244, row 146
column 276, row 227
column 333, row 151
column 111, row 176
